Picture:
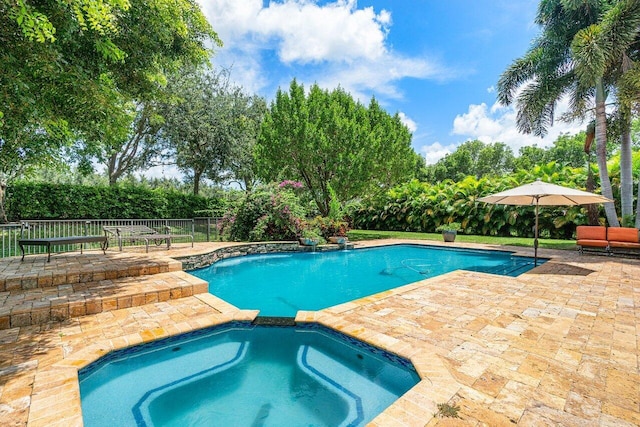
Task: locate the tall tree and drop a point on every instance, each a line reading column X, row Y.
column 211, row 125
column 66, row 66
column 123, row 142
column 242, row 166
column 547, row 72
column 600, row 50
column 328, row 141
column 629, row 99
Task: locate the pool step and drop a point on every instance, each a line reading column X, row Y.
column 69, row 268
column 511, row 270
column 57, row 303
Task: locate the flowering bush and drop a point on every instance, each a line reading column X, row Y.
column 271, row 212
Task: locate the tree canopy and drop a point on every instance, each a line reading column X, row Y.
column 211, row 126
column 66, row 66
column 473, row 158
column 328, row 141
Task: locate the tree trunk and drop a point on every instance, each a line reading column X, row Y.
column 111, row 169
column 638, row 210
column 592, row 210
column 626, row 175
column 3, row 214
column 197, row 175
column 601, row 153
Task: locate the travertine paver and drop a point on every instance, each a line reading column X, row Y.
column 555, row 346
column 72, row 267
column 38, row 364
column 40, row 305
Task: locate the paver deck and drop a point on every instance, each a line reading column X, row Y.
column 555, row 346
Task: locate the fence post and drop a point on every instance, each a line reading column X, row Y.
column 208, row 229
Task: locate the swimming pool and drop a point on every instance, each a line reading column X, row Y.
column 281, row 284
column 244, row 375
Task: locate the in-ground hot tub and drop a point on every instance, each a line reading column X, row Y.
column 244, row 375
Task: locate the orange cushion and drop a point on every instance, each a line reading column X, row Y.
column 591, row 232
column 622, row 234
column 593, row 243
column 629, row 245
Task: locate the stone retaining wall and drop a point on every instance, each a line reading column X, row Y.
column 203, row 260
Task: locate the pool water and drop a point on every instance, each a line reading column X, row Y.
column 283, row 283
column 244, row 375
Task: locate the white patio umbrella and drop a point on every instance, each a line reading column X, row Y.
column 540, row 193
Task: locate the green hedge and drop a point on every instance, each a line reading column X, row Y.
column 65, row 201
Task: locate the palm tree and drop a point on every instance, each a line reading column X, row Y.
column 600, row 51
column 628, row 99
column 547, row 72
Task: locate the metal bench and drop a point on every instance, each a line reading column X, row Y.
column 142, row 233
column 69, row 240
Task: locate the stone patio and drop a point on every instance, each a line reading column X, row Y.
column 555, row 346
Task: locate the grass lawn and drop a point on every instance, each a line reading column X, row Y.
column 355, row 235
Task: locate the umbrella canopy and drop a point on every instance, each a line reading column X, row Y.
column 544, row 194
column 540, row 193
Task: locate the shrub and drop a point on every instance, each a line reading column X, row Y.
column 328, row 227
column 269, row 212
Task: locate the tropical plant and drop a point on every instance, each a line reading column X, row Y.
column 424, row 207
column 601, row 51
column 328, row 227
column 549, row 71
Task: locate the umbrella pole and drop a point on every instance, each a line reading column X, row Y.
column 535, row 240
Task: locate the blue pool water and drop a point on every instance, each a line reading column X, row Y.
column 243, row 375
column 281, row 284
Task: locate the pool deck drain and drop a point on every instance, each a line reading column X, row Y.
column 555, row 346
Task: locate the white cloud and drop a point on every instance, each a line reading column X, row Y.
column 303, row 31
column 341, row 44
column 337, row 31
column 413, row 126
column 498, row 124
column 434, row 152
column 379, row 76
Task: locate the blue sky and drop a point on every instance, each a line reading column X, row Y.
column 435, row 62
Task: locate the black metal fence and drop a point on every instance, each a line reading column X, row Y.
column 203, row 229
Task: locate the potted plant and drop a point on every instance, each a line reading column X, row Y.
column 449, row 231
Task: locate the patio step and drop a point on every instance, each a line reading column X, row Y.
column 34, row 272
column 57, row 303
